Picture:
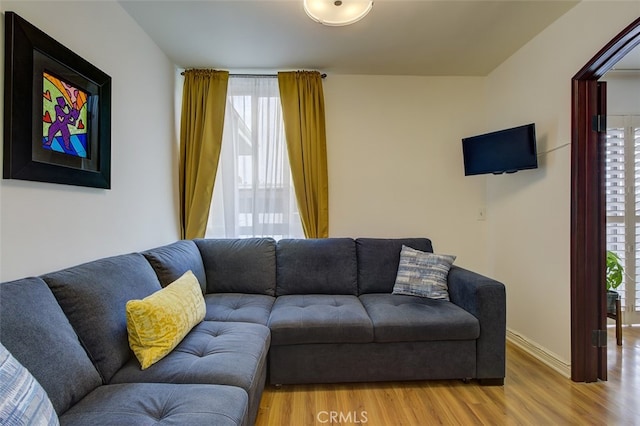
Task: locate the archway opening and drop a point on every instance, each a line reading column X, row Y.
column 588, row 301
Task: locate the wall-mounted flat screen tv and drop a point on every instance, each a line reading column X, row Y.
column 504, row 151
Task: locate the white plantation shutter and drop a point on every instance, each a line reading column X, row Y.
column 634, row 297
column 622, row 168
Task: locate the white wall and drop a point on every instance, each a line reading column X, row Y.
column 395, row 160
column 48, row 226
column 529, row 212
column 623, row 93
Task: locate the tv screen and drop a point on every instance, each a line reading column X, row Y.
column 504, row 151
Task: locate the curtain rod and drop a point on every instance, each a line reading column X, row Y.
column 323, row 75
column 254, row 75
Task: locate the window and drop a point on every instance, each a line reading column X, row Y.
column 253, row 194
column 623, row 205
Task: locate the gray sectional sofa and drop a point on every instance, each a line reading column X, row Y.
column 292, row 311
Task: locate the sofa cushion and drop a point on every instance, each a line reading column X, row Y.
column 316, row 266
column 238, row 307
column 157, row 323
column 159, row 404
column 173, row 260
column 319, row 318
column 423, row 274
column 225, row 353
column 22, row 399
column 398, row 318
column 38, row 334
column 239, row 265
column 378, row 260
column 94, row 295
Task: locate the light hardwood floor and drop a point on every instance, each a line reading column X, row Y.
column 533, row 394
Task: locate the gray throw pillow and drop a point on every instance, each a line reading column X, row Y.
column 22, row 399
column 423, row 274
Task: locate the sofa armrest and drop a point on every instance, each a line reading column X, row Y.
column 485, row 298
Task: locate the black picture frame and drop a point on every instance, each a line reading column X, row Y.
column 32, row 61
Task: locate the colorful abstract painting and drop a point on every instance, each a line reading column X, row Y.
column 64, row 117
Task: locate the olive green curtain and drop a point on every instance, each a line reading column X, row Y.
column 203, row 102
column 304, row 123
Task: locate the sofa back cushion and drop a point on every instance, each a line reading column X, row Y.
column 94, row 296
column 171, row 262
column 38, row 334
column 316, row 266
column 378, row 260
column 243, row 265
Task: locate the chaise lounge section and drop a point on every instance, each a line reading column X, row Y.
column 38, row 334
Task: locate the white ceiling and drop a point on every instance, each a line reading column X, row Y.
column 398, row 37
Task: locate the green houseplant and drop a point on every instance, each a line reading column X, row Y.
column 614, row 274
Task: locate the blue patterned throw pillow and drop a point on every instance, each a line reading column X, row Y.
column 423, row 274
column 22, row 400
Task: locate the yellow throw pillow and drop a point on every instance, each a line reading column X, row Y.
column 159, row 322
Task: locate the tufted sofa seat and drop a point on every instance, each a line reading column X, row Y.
column 398, row 318
column 254, row 308
column 213, row 352
column 319, row 318
column 160, row 404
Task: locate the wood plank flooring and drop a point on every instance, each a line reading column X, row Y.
column 533, row 394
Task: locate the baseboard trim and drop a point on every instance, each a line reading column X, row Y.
column 547, row 358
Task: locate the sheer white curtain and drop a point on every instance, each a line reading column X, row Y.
column 253, row 194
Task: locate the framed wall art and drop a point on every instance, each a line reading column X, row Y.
column 57, row 111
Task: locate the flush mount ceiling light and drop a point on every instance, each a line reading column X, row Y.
column 336, row 13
